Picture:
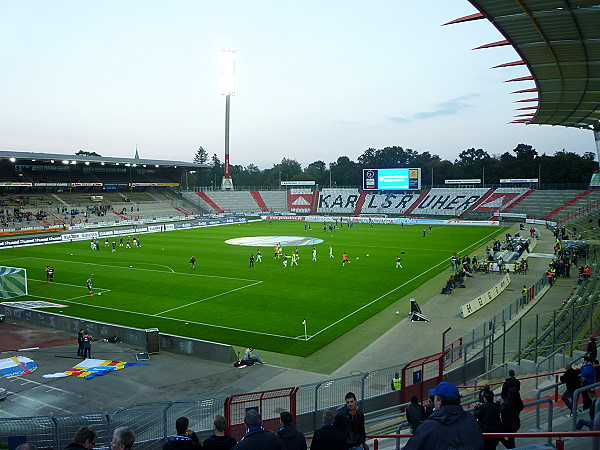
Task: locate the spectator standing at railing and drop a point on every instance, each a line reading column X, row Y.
column 415, row 414
column 511, row 381
column 488, row 418
column 328, row 438
column 84, row 438
column 350, row 421
column 509, row 412
column 123, row 439
column 219, row 440
column 449, row 426
column 257, row 438
column 293, row 439
column 588, row 377
column 585, row 422
column 592, row 349
column 185, row 439
column 572, row 382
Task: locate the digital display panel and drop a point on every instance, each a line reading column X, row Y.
column 391, row 179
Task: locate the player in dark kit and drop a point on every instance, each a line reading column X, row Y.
column 89, row 286
column 251, row 260
column 193, row 263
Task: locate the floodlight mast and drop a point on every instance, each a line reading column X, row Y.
column 227, row 89
column 596, row 129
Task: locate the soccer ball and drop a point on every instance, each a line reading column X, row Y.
column 357, row 257
column 397, row 313
column 71, row 254
column 99, row 293
column 367, row 254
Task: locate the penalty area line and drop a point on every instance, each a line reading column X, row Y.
column 208, row 298
column 186, row 321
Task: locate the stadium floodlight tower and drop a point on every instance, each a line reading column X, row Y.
column 596, row 129
column 227, row 89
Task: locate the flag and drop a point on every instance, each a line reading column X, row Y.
column 304, row 321
column 91, row 368
column 16, row 366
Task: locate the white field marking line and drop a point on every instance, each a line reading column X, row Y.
column 396, row 288
column 63, row 284
column 161, row 265
column 136, row 268
column 175, row 319
column 208, row 298
column 41, row 403
column 38, row 384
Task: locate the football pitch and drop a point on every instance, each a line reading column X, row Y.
column 224, row 300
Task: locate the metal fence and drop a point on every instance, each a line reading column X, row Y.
column 500, row 339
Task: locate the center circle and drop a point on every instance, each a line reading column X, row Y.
column 264, row 241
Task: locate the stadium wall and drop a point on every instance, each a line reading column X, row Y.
column 211, row 351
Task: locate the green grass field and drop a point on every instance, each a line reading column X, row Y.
column 224, row 300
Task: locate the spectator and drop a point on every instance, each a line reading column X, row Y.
column 84, row 438
column 219, row 440
column 123, row 439
column 328, row 438
column 293, row 439
column 588, row 377
column 185, row 437
column 430, row 407
column 350, row 421
column 248, row 355
column 257, row 438
column 415, row 413
column 585, row 422
column 485, row 389
column 511, row 381
column 571, row 380
column 592, row 349
column 449, row 426
column 26, row 446
column 509, row 412
column 488, row 417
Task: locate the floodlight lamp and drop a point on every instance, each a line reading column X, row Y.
column 144, row 165
column 116, row 164
column 52, row 161
column 12, row 159
column 87, row 163
column 33, row 160
column 134, row 165
column 155, row 165
column 73, row 162
column 227, row 80
column 127, row 164
column 102, row 163
column 65, row 161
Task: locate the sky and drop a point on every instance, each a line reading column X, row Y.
column 315, row 80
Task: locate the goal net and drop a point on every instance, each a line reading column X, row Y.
column 13, row 282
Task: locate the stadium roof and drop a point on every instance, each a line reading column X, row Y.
column 59, row 158
column 559, row 42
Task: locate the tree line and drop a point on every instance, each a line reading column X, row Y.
column 522, row 162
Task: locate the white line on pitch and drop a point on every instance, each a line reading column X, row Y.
column 208, row 298
column 177, row 320
column 396, row 288
column 41, row 403
column 137, row 268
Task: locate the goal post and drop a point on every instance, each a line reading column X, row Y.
column 13, row 282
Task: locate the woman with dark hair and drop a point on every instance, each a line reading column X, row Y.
column 509, row 413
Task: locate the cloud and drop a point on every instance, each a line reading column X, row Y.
column 447, row 108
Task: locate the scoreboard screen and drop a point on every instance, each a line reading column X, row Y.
column 391, row 179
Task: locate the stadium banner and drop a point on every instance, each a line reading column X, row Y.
column 595, row 181
column 85, row 184
column 152, row 184
column 51, row 184
column 384, row 220
column 33, row 240
column 547, row 223
column 518, row 180
column 15, row 183
column 467, row 181
column 298, row 191
column 298, row 183
column 517, row 215
column 388, row 202
column 477, row 303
